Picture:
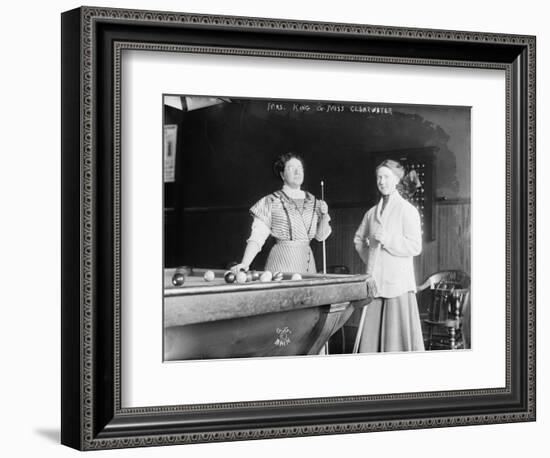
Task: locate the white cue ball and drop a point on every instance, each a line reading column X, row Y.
column 209, row 276
column 296, row 277
column 241, row 277
column 266, row 276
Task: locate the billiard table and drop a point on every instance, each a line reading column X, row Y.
column 214, row 319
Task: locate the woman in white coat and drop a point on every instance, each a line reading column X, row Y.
column 387, row 239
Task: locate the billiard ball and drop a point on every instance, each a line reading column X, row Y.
column 178, row 279
column 277, row 276
column 229, row 277
column 296, row 277
column 240, row 277
column 209, row 275
column 266, row 276
column 255, row 275
column 249, row 276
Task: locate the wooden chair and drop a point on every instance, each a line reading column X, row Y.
column 448, row 302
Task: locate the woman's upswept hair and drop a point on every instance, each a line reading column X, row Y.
column 282, row 159
column 394, row 166
column 408, row 183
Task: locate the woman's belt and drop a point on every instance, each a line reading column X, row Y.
column 293, row 242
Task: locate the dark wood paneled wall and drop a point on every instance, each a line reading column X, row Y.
column 451, row 247
column 340, row 248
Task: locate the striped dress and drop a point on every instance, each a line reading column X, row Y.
column 293, row 223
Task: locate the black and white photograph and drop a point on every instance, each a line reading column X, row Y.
column 286, row 224
column 159, row 142
column 313, row 227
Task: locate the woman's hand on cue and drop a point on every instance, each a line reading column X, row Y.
column 323, row 208
column 238, row 267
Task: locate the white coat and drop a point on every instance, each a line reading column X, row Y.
column 393, row 269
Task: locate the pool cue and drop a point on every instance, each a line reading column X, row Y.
column 324, row 242
column 324, row 252
column 371, row 293
column 360, row 330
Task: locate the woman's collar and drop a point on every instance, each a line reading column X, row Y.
column 394, row 196
column 391, row 196
column 294, row 193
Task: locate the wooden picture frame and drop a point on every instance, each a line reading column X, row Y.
column 93, row 416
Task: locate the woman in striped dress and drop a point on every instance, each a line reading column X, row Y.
column 292, row 216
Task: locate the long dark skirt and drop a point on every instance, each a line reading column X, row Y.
column 392, row 325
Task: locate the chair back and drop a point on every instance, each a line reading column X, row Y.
column 458, row 277
column 449, row 299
